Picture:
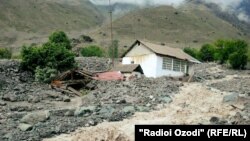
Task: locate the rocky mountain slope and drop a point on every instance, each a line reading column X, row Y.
column 189, row 25
column 25, row 20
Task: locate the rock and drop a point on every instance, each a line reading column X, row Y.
column 166, row 99
column 214, row 120
column 151, row 97
column 123, row 101
column 34, row 118
column 52, row 94
column 84, row 111
column 2, row 103
column 91, row 122
column 90, row 86
column 128, row 109
column 33, row 99
column 69, row 113
column 25, row 127
column 20, row 108
column 59, row 99
column 11, row 98
column 231, row 98
column 106, row 111
column 66, row 99
column 142, row 109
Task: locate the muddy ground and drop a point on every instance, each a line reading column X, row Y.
column 33, row 111
column 214, row 98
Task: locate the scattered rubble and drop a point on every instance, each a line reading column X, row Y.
column 32, row 111
column 207, row 71
column 94, row 64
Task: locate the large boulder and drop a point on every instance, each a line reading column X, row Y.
column 2, row 103
column 11, row 98
column 25, row 127
column 34, row 118
column 231, row 98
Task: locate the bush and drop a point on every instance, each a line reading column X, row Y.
column 61, row 39
column 192, row 52
column 238, row 60
column 31, row 58
column 5, row 53
column 45, row 75
column 48, row 60
column 207, row 52
column 92, row 51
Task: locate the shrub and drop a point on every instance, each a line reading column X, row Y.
column 92, row 51
column 45, row 75
column 61, row 39
column 238, row 60
column 207, row 52
column 5, row 53
column 47, row 60
column 192, row 52
column 31, row 58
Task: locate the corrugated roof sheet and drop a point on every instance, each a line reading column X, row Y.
column 166, row 51
column 126, row 68
column 107, row 76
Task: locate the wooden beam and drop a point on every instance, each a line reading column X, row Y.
column 74, row 91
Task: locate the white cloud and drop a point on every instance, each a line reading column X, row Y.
column 243, row 17
column 140, row 2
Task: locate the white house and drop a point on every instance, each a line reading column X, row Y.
column 157, row 60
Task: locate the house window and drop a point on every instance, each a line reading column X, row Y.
column 177, row 65
column 183, row 65
column 167, row 63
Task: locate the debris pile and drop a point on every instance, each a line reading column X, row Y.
column 94, row 64
column 208, row 71
column 147, row 92
column 32, row 111
column 239, row 87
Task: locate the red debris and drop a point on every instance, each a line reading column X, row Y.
column 113, row 75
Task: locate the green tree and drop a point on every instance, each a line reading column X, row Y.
column 92, row 50
column 60, row 38
column 47, row 60
column 238, row 60
column 227, row 47
column 113, row 49
column 207, row 52
column 5, row 53
column 192, row 52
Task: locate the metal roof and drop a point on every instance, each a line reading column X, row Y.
column 127, row 68
column 165, row 51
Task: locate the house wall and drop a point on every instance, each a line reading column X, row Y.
column 143, row 56
column 161, row 72
column 150, row 62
